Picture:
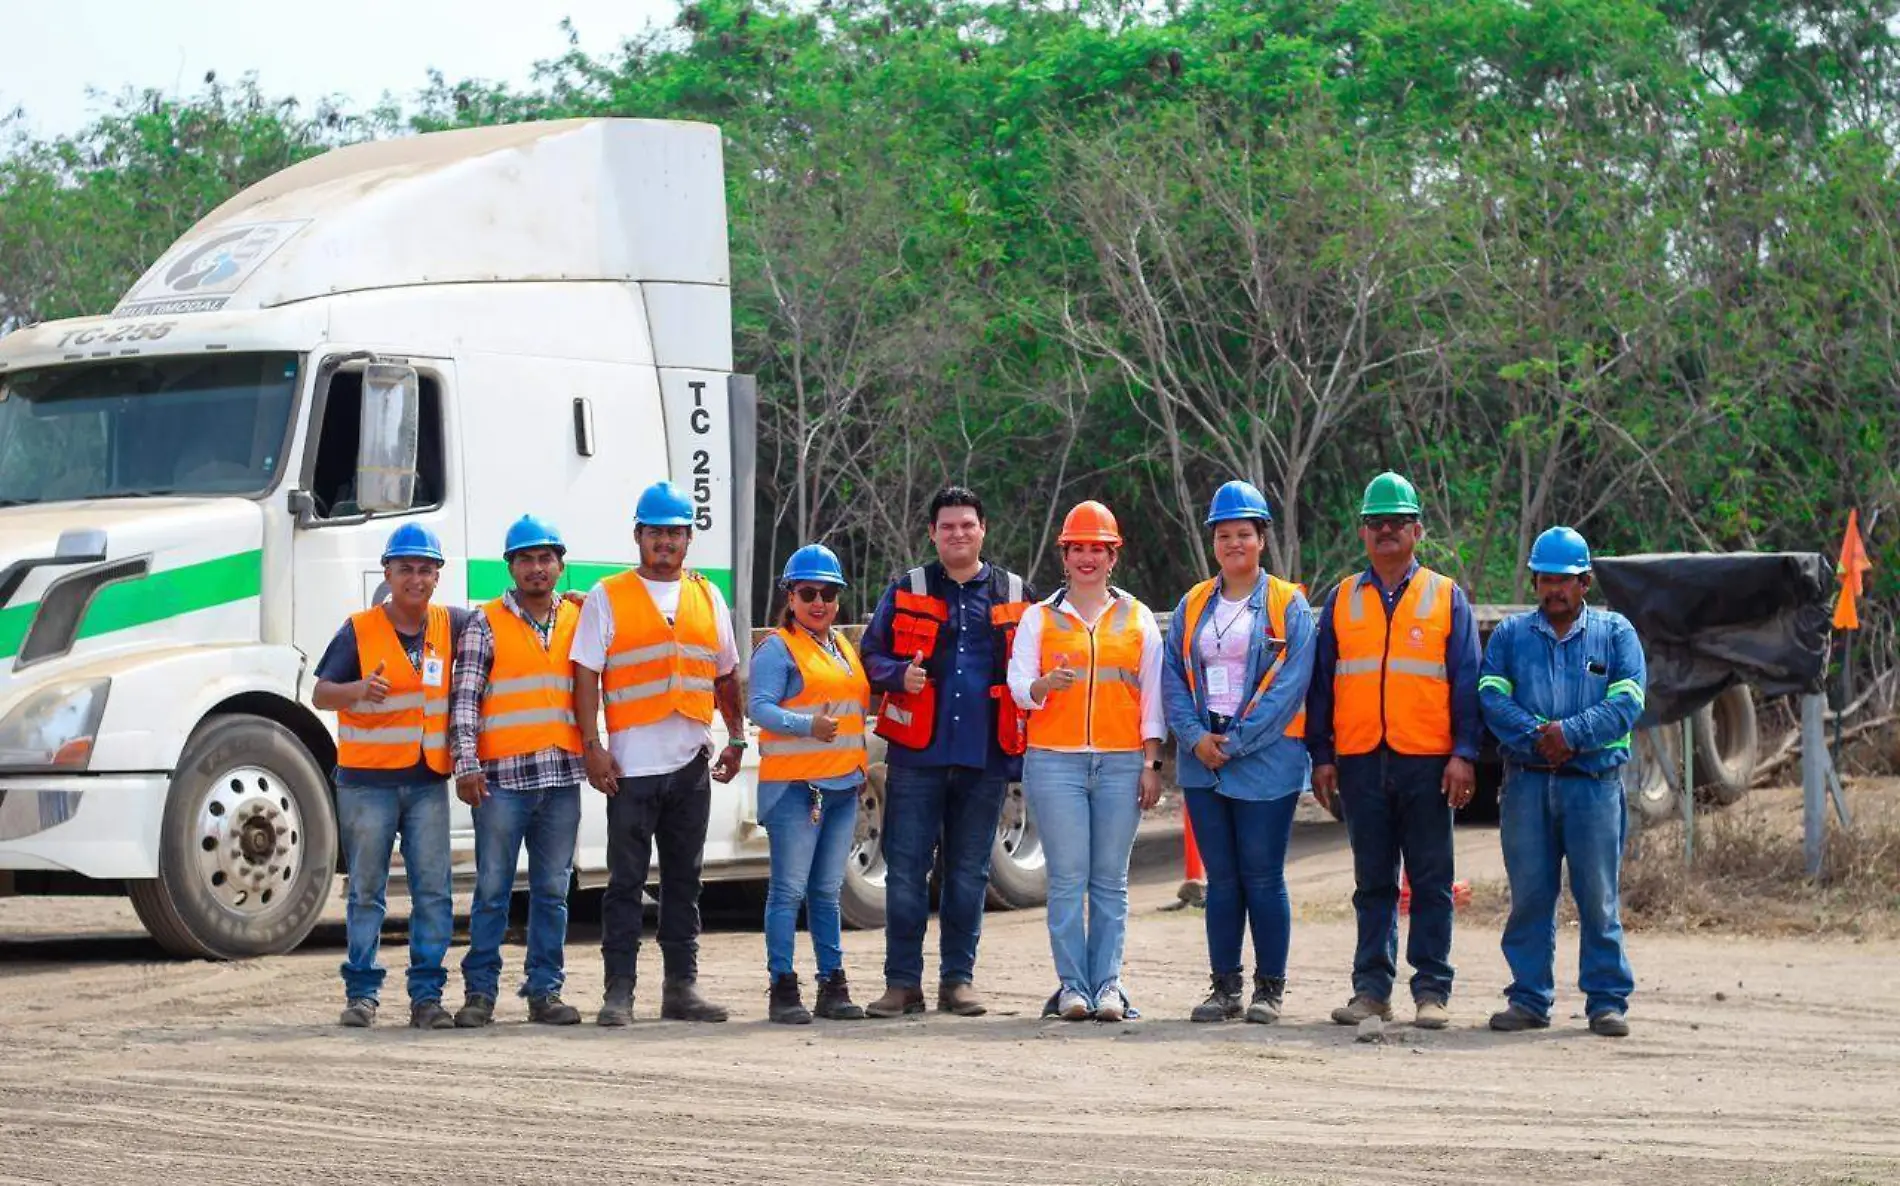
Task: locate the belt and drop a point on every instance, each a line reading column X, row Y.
column 1565, row 771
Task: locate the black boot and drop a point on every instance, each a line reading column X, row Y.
column 785, row 1008
column 834, row 999
column 1223, row 1002
column 680, row 1001
column 1268, row 992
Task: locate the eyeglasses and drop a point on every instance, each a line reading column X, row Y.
column 1388, row 522
column 811, row 593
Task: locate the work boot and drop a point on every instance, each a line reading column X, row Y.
column 1609, row 1024
column 616, row 1008
column 784, row 1006
column 898, row 999
column 552, row 1010
column 1268, row 992
column 1516, row 1019
column 359, row 1014
column 680, row 1001
column 1223, row 1002
column 958, row 997
column 430, row 1015
column 477, row 1011
column 1361, row 1007
column 834, row 999
column 1431, row 1014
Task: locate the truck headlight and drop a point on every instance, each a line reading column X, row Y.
column 54, row 728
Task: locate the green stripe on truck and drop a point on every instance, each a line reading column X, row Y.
column 152, row 598
column 489, row 579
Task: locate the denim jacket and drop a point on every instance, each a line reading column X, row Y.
column 1590, row 681
column 1263, row 762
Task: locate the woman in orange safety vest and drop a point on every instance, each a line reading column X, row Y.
column 1086, row 664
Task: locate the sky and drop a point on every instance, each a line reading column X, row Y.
column 51, row 53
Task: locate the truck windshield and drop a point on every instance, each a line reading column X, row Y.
column 189, row 425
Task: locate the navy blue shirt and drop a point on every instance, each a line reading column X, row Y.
column 1461, row 667
column 965, row 732
column 339, row 665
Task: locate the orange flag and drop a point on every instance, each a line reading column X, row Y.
column 1851, row 567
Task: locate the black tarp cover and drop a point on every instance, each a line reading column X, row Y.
column 1709, row 620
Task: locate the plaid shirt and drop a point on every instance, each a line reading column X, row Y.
column 474, row 659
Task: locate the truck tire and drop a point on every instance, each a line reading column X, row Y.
column 1727, row 747
column 861, row 899
column 1019, row 876
column 247, row 848
column 1648, row 779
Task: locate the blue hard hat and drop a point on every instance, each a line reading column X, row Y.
column 1238, row 500
column 532, row 531
column 813, row 562
column 1560, row 551
column 412, row 540
column 663, row 505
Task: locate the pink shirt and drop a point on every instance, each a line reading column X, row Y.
column 1223, row 651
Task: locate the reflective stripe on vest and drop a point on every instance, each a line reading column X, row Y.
column 1102, row 710
column 1280, row 596
column 411, row 724
column 653, row 670
column 528, row 705
column 1392, row 684
column 828, row 687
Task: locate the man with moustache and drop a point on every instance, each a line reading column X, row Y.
column 1562, row 688
column 655, row 648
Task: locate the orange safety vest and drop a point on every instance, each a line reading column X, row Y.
column 1391, row 684
column 838, row 690
column 1280, row 595
column 654, row 670
column 909, row 719
column 528, row 705
column 1102, row 709
column 411, row 724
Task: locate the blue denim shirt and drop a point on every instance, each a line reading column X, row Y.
column 775, row 679
column 1263, row 763
column 965, row 732
column 1461, row 668
column 1590, row 681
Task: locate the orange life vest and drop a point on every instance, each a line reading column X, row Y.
column 909, row 719
column 654, row 669
column 1102, row 709
column 1391, row 684
column 528, row 705
column 838, row 690
column 411, row 724
column 1280, row 595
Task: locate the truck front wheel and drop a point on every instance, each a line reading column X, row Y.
column 248, row 847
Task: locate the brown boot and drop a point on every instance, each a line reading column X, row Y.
column 956, row 996
column 834, row 999
column 898, row 999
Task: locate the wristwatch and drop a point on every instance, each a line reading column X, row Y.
column 1154, row 764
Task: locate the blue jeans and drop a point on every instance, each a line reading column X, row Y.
column 1543, row 822
column 1243, row 846
column 369, row 819
column 1087, row 807
column 924, row 806
column 807, row 869
column 548, row 822
column 1395, row 809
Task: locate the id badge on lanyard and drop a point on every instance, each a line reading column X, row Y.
column 432, row 668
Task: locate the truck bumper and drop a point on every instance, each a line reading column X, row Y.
column 104, row 826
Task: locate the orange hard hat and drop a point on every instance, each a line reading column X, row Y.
column 1090, row 523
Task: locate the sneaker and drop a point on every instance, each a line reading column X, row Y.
column 1361, row 1007
column 898, row 999
column 1223, row 999
column 1268, row 993
column 1610, row 1024
column 1431, row 1014
column 1517, row 1019
column 1113, row 1005
column 550, row 1010
column 616, row 1008
column 1072, row 1005
column 359, row 1014
column 430, row 1015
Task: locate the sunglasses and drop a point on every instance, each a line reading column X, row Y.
column 1388, row 522
column 811, row 593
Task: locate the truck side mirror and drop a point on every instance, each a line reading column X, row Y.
column 386, row 444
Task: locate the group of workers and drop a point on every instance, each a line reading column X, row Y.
column 1377, row 704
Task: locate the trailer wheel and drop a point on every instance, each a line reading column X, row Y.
column 247, row 849
column 1019, row 875
column 1648, row 779
column 1727, row 746
column 861, row 899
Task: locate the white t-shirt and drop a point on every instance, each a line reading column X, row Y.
column 672, row 742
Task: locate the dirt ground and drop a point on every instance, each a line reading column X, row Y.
column 1752, row 1061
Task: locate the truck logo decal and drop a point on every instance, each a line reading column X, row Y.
column 200, row 275
column 160, row 595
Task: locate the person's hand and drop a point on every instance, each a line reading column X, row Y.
column 1211, row 749
column 1326, row 786
column 1059, row 680
column 1551, row 745
column 471, row 788
column 602, row 770
column 573, row 598
column 373, row 687
column 915, row 677
column 1461, row 781
column 726, row 767
column 824, row 728
column 1150, row 793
